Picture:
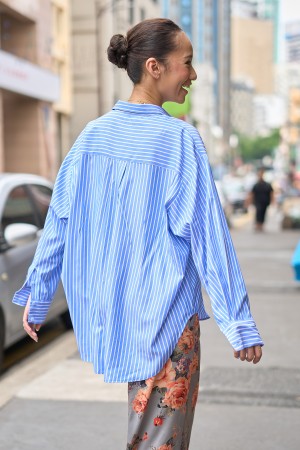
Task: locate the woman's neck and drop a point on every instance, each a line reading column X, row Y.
column 141, row 95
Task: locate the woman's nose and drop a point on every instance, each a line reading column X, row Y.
column 193, row 74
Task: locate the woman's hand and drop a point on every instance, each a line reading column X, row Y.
column 30, row 328
column 249, row 354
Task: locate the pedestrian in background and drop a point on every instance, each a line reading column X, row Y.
column 262, row 195
column 136, row 228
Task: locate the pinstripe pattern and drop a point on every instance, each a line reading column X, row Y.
column 135, row 227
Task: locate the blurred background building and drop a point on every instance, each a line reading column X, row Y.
column 254, row 55
column 35, row 85
column 55, row 76
column 97, row 83
column 207, row 23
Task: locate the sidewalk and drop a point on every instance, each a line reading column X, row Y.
column 54, row 401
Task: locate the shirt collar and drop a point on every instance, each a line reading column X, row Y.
column 139, row 108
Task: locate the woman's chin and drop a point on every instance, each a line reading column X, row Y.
column 180, row 98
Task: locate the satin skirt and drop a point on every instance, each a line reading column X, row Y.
column 161, row 409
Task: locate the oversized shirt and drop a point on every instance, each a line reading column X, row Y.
column 135, row 228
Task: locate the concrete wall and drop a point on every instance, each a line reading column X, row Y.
column 97, row 83
column 21, row 141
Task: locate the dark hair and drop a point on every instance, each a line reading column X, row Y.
column 149, row 38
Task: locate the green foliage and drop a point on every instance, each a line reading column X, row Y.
column 256, row 148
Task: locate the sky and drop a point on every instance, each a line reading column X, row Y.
column 289, row 10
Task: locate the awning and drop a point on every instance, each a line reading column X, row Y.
column 20, row 76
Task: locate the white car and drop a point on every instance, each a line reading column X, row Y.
column 236, row 193
column 24, row 202
column 224, row 201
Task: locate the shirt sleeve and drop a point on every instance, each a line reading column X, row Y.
column 195, row 213
column 44, row 273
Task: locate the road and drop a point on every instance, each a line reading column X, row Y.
column 54, row 401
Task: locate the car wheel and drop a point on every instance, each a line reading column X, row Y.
column 2, row 338
column 66, row 319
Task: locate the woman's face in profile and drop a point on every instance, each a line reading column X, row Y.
column 177, row 75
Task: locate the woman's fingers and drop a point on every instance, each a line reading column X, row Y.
column 243, row 354
column 249, row 354
column 236, row 354
column 30, row 328
column 257, row 354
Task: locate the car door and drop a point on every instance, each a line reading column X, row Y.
column 18, row 209
column 41, row 196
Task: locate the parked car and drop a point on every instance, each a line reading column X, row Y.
column 290, row 208
column 24, row 202
column 224, row 202
column 236, row 193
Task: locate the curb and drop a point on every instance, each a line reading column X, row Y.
column 36, row 365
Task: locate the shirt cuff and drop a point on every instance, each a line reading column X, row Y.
column 243, row 334
column 38, row 312
column 38, row 309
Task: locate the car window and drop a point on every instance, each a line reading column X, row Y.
column 18, row 209
column 41, row 196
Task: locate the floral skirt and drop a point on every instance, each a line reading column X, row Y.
column 161, row 409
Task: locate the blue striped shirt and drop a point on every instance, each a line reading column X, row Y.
column 135, row 228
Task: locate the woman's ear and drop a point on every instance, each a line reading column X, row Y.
column 153, row 67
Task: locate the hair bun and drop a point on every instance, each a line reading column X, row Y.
column 117, row 51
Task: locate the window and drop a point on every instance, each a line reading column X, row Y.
column 18, row 209
column 41, row 196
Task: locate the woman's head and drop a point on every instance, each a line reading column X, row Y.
column 157, row 55
column 153, row 38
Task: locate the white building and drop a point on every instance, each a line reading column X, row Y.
column 269, row 112
column 242, row 95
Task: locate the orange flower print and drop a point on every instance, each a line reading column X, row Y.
column 165, row 376
column 195, row 364
column 145, row 437
column 195, row 396
column 186, row 341
column 177, row 392
column 140, row 401
column 158, row 421
column 165, row 447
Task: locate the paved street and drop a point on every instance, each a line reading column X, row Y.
column 54, row 401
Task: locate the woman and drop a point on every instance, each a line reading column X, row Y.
column 136, row 227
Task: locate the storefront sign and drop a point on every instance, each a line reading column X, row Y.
column 20, row 76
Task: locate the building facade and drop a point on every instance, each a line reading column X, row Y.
column 292, row 37
column 222, row 64
column 252, row 52
column 207, row 23
column 242, row 115
column 263, row 10
column 30, row 87
column 97, row 83
column 61, row 52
